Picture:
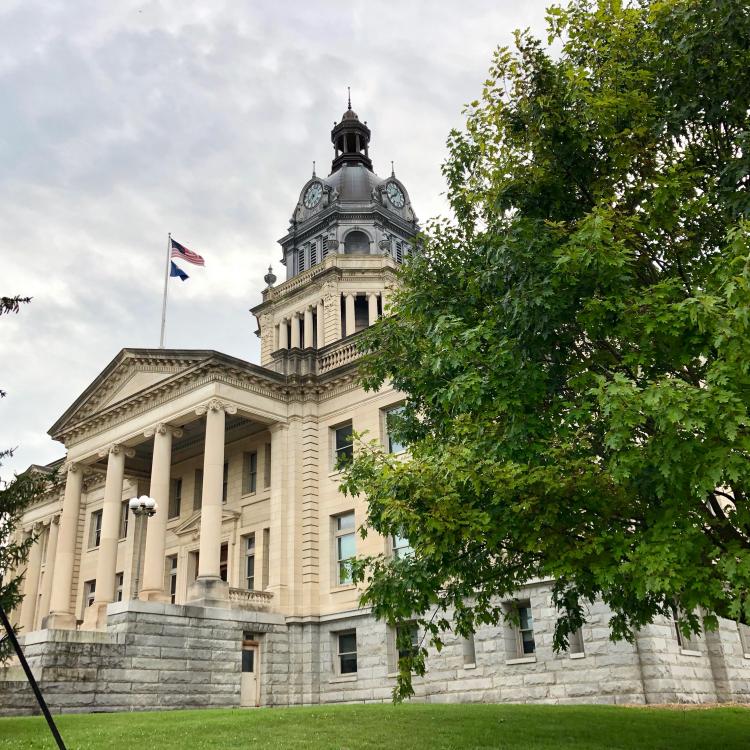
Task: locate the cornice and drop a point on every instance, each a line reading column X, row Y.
column 266, row 383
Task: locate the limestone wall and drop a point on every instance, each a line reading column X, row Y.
column 157, row 656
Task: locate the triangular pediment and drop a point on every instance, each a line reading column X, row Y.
column 192, row 525
column 131, row 372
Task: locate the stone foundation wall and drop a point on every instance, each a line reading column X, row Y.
column 153, row 656
column 157, row 656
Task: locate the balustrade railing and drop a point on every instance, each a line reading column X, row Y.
column 247, row 599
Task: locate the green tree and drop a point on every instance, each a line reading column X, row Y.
column 15, row 497
column 575, row 346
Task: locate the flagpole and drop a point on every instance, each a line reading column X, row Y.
column 166, row 287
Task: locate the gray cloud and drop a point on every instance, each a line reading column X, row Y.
column 121, row 122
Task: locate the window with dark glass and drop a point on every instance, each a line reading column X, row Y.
column 224, row 562
column 250, row 562
column 347, row 652
column 249, row 472
column 198, row 490
column 343, row 449
column 175, row 498
column 95, row 528
column 124, row 516
column 407, row 639
column 224, row 482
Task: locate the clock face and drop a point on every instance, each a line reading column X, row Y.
column 313, row 195
column 395, row 196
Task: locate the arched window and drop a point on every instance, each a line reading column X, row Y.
column 357, row 242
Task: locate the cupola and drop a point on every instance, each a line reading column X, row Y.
column 351, row 140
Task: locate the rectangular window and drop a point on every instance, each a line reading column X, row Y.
column 313, row 253
column 250, row 562
column 249, row 472
column 198, row 490
column 399, row 252
column 224, row 482
column 346, row 652
column 343, row 445
column 95, row 529
column 119, row 586
column 301, row 258
column 324, row 247
column 345, row 547
column 175, row 498
column 124, row 516
column 267, row 466
column 89, row 591
column 686, row 642
column 525, row 630
column 171, row 571
column 469, row 651
column 223, row 562
column 401, row 547
column 407, row 639
column 391, row 416
column 575, row 643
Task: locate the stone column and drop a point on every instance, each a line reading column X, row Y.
column 372, row 307
column 349, row 312
column 152, row 587
column 320, row 321
column 280, row 508
column 283, row 335
column 106, row 565
column 308, row 327
column 49, row 566
column 209, row 589
column 31, row 581
column 295, row 331
column 61, row 612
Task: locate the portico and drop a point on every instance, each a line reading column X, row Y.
column 191, row 429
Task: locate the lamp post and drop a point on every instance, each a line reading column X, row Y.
column 143, row 508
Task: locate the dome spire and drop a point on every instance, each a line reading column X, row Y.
column 349, row 97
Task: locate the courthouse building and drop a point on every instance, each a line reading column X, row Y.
column 237, row 591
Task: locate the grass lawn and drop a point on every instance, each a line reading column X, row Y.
column 384, row 727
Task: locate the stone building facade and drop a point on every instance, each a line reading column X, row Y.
column 236, row 592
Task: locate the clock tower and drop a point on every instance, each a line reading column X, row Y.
column 348, row 233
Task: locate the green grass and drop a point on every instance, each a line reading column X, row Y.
column 388, row 727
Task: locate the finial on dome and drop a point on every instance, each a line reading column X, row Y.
column 348, row 97
column 313, row 168
column 270, row 278
column 393, row 171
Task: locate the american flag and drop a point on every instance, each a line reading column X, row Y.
column 180, row 251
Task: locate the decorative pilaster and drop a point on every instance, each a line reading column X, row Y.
column 332, row 314
column 106, row 566
column 283, row 334
column 308, row 327
column 349, row 315
column 320, row 325
column 31, row 581
column 209, row 589
column 49, row 566
column 295, row 331
column 156, row 529
column 372, row 307
column 61, row 576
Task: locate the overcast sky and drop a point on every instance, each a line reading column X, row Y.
column 121, row 122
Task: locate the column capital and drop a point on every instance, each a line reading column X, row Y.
column 115, row 449
column 51, row 520
column 216, row 404
column 71, row 467
column 161, row 429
